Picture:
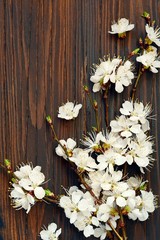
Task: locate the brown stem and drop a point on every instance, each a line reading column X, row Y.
column 114, row 230
column 95, row 111
column 106, row 104
column 51, row 200
column 122, row 225
column 72, row 164
column 135, row 85
column 89, row 189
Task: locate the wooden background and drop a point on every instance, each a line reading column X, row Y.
column 46, row 50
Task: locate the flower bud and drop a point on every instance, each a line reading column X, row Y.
column 95, row 104
column 134, row 52
column 86, row 89
column 48, row 193
column 146, row 15
column 140, row 42
column 7, row 164
column 48, row 119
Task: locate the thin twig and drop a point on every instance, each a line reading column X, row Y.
column 114, row 230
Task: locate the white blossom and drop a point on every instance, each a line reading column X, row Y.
column 82, row 159
column 103, row 72
column 150, row 60
column 35, row 178
column 93, row 141
column 125, row 126
column 153, row 34
column 116, row 71
column 68, row 145
column 136, row 111
column 145, row 204
column 69, row 110
column 109, row 159
column 122, row 76
column 27, row 189
column 139, row 151
column 121, row 26
column 21, row 199
column 51, row 233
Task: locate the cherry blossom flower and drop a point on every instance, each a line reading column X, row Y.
column 69, row 110
column 139, row 151
column 68, row 145
column 21, row 199
column 136, row 111
column 35, row 178
column 102, row 73
column 122, row 76
column 109, row 159
column 95, row 141
column 27, row 189
column 121, row 27
column 153, row 34
column 82, row 159
column 125, row 126
column 115, row 71
column 150, row 60
column 75, row 202
column 145, row 203
column 50, row 233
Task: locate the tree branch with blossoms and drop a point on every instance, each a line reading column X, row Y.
column 108, row 192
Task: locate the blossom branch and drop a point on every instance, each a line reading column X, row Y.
column 114, row 230
column 122, row 224
column 136, row 83
column 94, row 105
column 106, row 103
column 88, row 188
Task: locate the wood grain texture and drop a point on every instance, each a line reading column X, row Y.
column 46, row 50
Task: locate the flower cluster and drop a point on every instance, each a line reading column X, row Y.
column 26, row 189
column 127, row 143
column 114, row 71
column 118, row 196
column 149, row 56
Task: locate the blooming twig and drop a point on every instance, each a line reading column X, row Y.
column 94, row 105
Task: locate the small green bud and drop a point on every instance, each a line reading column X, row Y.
column 146, row 15
column 134, row 52
column 48, row 119
column 140, row 41
column 14, row 180
column 7, row 164
column 48, row 193
column 143, row 186
column 95, row 104
column 86, row 89
column 126, row 210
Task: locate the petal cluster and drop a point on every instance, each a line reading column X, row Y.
column 50, row 233
column 150, row 60
column 153, row 34
column 122, row 26
column 26, row 189
column 113, row 70
column 69, row 110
